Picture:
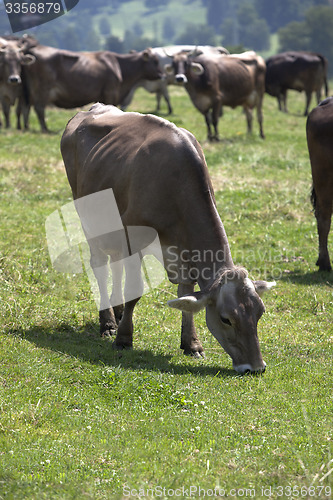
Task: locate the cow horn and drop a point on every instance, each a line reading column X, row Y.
column 168, row 55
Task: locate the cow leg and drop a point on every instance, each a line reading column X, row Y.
column 260, row 119
column 207, row 116
column 307, row 104
column 116, row 298
column 189, row 341
column 22, row 108
column 6, row 111
column 167, row 99
column 107, row 321
column 158, row 100
column 133, row 293
column 323, row 215
column 40, row 112
column 249, row 119
column 282, row 99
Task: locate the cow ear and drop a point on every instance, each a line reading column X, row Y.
column 197, row 69
column 146, row 54
column 28, row 59
column 168, row 68
column 263, row 286
column 190, row 303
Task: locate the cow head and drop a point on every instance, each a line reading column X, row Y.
column 151, row 65
column 11, row 60
column 182, row 67
column 233, row 309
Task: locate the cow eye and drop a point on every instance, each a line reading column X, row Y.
column 226, row 321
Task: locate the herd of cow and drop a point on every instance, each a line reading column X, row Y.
column 105, row 148
column 34, row 75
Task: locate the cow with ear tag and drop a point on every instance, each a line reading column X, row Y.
column 159, row 179
column 233, row 307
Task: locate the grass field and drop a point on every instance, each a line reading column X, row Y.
column 79, row 421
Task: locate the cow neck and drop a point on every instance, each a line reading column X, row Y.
column 207, row 242
column 131, row 71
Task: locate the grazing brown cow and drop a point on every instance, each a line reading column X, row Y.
column 302, row 71
column 214, row 80
column 319, row 130
column 160, row 180
column 12, row 59
column 73, row 79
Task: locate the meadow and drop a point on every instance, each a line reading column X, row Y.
column 79, row 420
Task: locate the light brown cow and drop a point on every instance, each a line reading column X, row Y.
column 73, row 79
column 319, row 130
column 213, row 81
column 160, row 180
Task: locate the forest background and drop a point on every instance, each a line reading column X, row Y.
column 122, row 25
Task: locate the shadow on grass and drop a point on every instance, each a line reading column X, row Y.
column 88, row 346
column 311, row 278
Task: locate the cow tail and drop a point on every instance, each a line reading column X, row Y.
column 324, row 63
column 313, row 198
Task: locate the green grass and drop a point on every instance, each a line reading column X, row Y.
column 77, row 420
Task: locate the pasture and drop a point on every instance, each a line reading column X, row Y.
column 77, row 420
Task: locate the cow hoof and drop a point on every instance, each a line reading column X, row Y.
column 195, row 353
column 199, row 355
column 108, row 333
column 121, row 347
column 324, row 265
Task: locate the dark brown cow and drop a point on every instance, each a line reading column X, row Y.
column 302, row 71
column 73, row 79
column 12, row 59
column 319, row 130
column 213, row 81
column 159, row 179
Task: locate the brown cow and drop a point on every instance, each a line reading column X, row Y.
column 213, row 81
column 12, row 59
column 160, row 87
column 160, row 180
column 319, row 130
column 302, row 71
column 73, row 79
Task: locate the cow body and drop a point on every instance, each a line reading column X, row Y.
column 319, row 131
column 73, row 79
column 214, row 81
column 160, row 87
column 160, row 180
column 301, row 71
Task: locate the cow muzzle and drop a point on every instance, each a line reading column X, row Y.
column 181, row 78
column 14, row 80
column 247, row 368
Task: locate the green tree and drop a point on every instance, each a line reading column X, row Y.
column 168, row 30
column 70, row 39
column 315, row 34
column 280, row 12
column 246, row 29
column 197, row 35
column 253, row 32
column 114, row 44
column 294, row 36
